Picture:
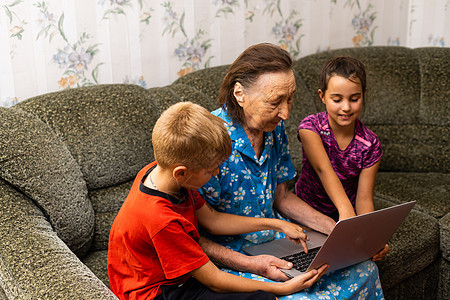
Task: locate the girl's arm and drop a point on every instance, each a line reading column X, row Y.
column 366, row 185
column 364, row 199
column 223, row 282
column 293, row 208
column 317, row 156
column 228, row 224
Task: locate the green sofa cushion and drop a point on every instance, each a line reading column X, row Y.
column 34, row 160
column 207, row 81
column 106, row 203
column 35, row 263
column 408, row 254
column 107, row 128
column 435, row 76
column 430, row 190
column 414, row 148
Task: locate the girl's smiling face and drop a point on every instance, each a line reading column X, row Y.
column 343, row 100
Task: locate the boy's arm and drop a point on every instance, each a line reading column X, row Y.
column 220, row 281
column 318, row 157
column 228, row 224
column 366, row 185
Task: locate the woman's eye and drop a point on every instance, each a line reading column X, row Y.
column 355, row 99
column 274, row 105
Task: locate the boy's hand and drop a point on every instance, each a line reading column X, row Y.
column 303, row 281
column 296, row 234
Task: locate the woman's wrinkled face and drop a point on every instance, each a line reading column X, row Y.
column 268, row 101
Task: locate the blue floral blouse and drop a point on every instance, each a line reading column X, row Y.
column 246, row 185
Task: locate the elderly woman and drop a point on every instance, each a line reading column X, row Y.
column 255, row 98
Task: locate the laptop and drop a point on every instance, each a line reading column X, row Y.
column 351, row 241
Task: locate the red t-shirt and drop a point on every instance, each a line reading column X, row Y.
column 153, row 241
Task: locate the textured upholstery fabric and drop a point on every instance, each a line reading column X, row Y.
column 435, row 75
column 106, row 203
column 34, row 262
column 430, row 190
column 445, row 235
column 406, row 248
column 107, row 129
column 34, row 160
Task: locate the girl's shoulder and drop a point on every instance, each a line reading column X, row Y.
column 317, row 121
column 365, row 135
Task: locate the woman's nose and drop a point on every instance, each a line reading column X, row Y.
column 284, row 110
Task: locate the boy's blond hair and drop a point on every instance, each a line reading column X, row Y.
column 187, row 134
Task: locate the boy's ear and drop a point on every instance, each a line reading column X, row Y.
column 238, row 93
column 179, row 172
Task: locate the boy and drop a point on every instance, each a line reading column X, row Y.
column 153, row 247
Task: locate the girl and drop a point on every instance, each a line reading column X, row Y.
column 340, row 155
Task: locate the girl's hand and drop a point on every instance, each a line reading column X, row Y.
column 303, row 281
column 295, row 234
column 346, row 214
column 380, row 255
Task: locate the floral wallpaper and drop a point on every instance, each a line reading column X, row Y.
column 50, row 45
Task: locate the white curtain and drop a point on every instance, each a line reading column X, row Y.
column 50, row 45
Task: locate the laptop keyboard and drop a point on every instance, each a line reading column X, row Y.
column 302, row 260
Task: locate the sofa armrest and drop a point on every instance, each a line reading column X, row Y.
column 34, row 262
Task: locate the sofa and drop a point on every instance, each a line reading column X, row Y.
column 68, row 158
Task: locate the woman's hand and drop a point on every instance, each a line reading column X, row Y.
column 380, row 255
column 269, row 266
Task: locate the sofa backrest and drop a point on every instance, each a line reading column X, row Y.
column 406, row 105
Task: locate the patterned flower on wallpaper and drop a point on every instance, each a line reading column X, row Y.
column 362, row 23
column 436, row 41
column 192, row 51
column 225, row 7
column 118, row 7
column 393, row 42
column 15, row 21
column 286, row 29
column 74, row 58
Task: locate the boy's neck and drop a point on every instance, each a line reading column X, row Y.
column 162, row 180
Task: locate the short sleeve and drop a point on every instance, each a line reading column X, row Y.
column 285, row 169
column 374, row 153
column 211, row 191
column 178, row 252
column 311, row 122
column 199, row 201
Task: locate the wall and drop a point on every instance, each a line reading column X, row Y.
column 56, row 44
